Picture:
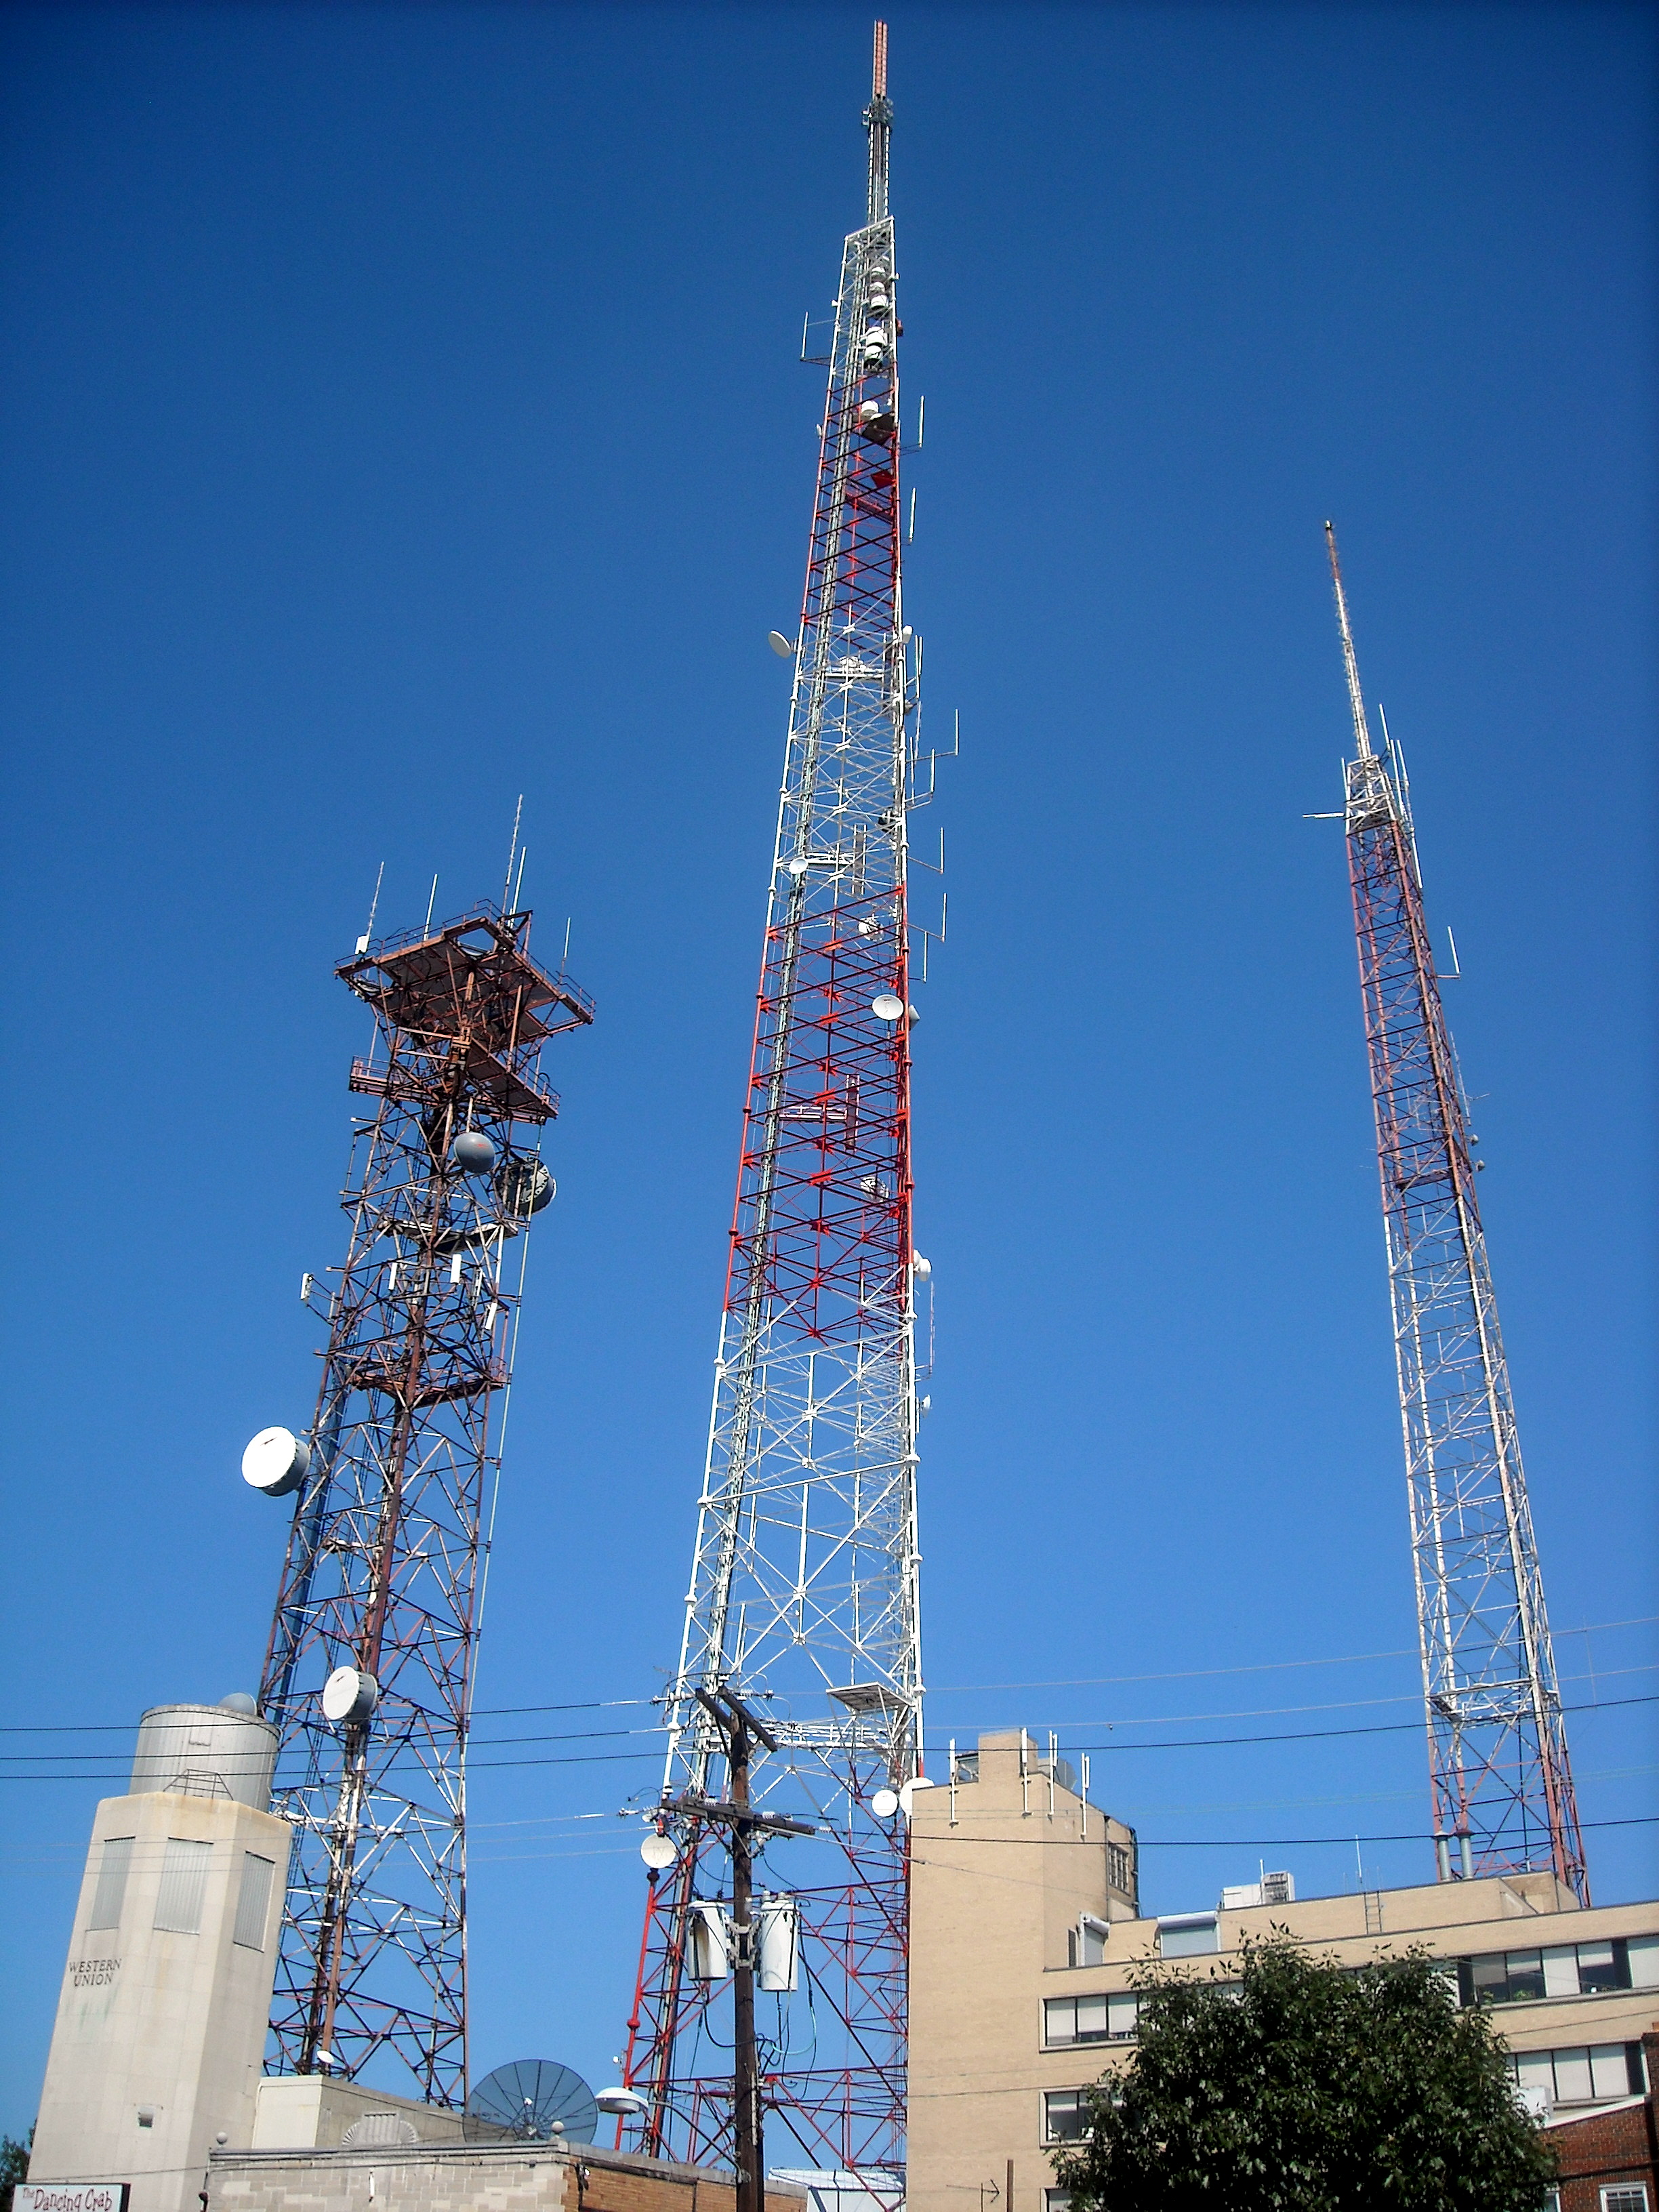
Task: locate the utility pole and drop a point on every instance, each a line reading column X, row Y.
column 740, row 1729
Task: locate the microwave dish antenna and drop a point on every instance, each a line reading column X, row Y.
column 537, row 2100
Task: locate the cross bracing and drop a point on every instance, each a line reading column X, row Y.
column 803, row 1596
column 1499, row 1773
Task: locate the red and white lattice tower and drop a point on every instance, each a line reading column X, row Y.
column 368, row 1675
column 804, row 1588
column 1498, row 1752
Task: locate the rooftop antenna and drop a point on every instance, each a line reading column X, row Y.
column 430, row 903
column 373, row 904
column 512, row 852
column 1356, row 697
column 878, row 121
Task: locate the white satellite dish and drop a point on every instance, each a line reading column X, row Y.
column 275, row 1462
column 907, row 1795
column 921, row 1268
column 884, row 1804
column 658, row 1851
column 348, row 1694
column 779, row 644
column 799, row 865
column 886, row 1007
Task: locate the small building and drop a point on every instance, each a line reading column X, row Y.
column 159, row 2041
column 382, row 2167
column 1026, row 1927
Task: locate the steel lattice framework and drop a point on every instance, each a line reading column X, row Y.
column 384, row 1556
column 1497, row 1753
column 804, row 1587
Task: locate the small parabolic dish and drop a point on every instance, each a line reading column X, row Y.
column 886, row 1007
column 658, row 1851
column 779, row 644
column 907, row 1795
column 884, row 1804
column 472, row 1153
column 275, row 1462
column 349, row 1695
column 921, row 1268
column 524, row 1186
column 799, row 865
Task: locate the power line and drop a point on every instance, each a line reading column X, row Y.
column 1176, row 1743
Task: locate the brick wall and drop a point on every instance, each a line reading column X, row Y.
column 1608, row 2147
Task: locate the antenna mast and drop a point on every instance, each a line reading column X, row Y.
column 1498, row 1770
column 802, row 1600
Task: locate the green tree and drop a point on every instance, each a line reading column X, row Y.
column 14, row 2165
column 1306, row 2086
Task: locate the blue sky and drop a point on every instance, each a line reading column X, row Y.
column 401, row 412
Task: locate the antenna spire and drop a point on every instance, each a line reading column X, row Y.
column 1356, row 697
column 878, row 121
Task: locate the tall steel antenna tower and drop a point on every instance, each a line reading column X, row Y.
column 1497, row 1751
column 369, row 1673
column 803, row 1596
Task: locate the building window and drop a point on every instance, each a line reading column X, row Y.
column 1120, row 1868
column 966, row 1767
column 183, row 1887
column 1626, row 2196
column 1582, row 2074
column 1056, row 2200
column 1187, row 1936
column 111, row 1892
column 1064, row 2115
column 253, row 1901
column 1560, row 1970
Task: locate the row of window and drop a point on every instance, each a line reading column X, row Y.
column 183, row 1892
column 1560, row 1970
column 1586, row 2073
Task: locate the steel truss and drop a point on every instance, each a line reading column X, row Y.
column 804, row 1588
column 1500, row 1776
column 382, row 1569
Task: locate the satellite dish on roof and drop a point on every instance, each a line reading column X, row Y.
column 658, row 1851
column 275, row 1462
column 537, row 2100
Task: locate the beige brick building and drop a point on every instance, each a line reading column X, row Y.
column 1025, row 1927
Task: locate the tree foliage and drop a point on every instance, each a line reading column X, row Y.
column 1305, row 2086
column 14, row 2165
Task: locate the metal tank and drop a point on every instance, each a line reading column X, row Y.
column 207, row 1751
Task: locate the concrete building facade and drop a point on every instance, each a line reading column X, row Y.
column 466, row 2177
column 159, row 2040
column 1026, row 1931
